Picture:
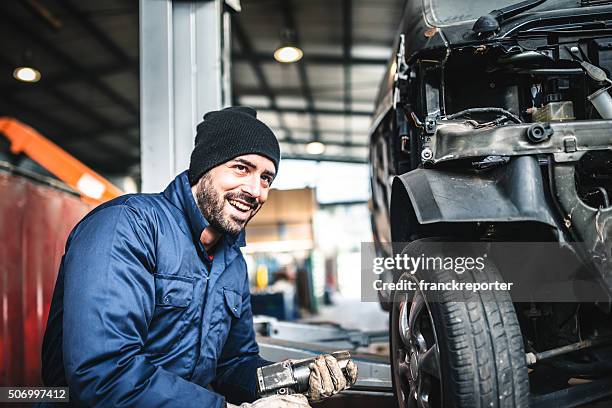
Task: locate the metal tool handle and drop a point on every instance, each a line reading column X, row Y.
column 301, row 369
column 291, row 376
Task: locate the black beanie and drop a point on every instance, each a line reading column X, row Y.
column 229, row 133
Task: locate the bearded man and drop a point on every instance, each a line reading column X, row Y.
column 151, row 306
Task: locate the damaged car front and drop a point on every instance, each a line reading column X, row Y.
column 493, row 124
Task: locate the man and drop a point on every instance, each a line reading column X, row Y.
column 152, row 306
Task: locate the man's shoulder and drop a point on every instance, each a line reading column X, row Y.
column 130, row 206
column 140, row 202
column 139, row 209
column 143, row 201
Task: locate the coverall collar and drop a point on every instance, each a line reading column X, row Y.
column 179, row 193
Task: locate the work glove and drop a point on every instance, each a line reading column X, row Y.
column 276, row 401
column 326, row 377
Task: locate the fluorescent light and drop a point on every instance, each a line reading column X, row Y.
column 315, row 148
column 288, row 53
column 26, row 74
column 90, row 186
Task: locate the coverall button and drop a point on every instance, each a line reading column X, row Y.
column 167, row 299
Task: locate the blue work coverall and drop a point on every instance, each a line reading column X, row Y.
column 141, row 317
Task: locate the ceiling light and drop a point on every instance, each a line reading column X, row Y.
column 288, row 53
column 25, row 71
column 26, row 74
column 315, row 148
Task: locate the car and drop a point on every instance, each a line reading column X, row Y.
column 493, row 126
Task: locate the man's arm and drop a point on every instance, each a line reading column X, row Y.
column 237, row 366
column 108, row 303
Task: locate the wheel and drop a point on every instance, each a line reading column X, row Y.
column 457, row 350
column 384, row 301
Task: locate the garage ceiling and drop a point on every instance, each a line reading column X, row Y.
column 88, row 98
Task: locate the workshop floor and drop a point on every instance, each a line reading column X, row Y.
column 352, row 313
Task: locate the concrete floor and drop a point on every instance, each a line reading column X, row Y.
column 352, row 313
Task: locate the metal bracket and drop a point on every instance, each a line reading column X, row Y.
column 405, row 144
column 234, row 4
column 431, row 122
column 569, row 144
column 401, row 71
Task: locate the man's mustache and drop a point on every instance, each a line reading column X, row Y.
column 251, row 201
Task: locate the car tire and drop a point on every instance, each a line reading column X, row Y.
column 466, row 352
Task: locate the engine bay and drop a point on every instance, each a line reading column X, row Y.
column 543, row 77
column 539, row 76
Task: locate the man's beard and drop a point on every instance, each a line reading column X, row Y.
column 211, row 205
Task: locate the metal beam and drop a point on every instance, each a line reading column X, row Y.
column 109, row 165
column 78, row 106
column 326, row 158
column 43, row 13
column 316, row 111
column 247, row 51
column 321, row 91
column 64, row 133
column 107, row 168
column 84, row 19
column 249, row 54
column 70, row 62
column 326, row 131
column 315, row 59
column 94, row 134
column 183, row 63
column 327, row 143
column 287, row 10
column 347, row 43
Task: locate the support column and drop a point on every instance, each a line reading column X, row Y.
column 184, row 73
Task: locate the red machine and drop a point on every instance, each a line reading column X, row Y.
column 36, row 215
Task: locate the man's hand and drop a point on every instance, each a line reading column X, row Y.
column 277, row 401
column 327, row 379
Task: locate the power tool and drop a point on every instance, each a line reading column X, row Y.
column 291, row 376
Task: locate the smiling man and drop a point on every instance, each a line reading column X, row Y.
column 152, row 305
column 228, row 196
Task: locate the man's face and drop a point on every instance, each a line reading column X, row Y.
column 230, row 194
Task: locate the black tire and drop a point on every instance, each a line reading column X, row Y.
column 473, row 342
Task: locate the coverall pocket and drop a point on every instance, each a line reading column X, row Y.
column 173, row 291
column 173, row 295
column 233, row 301
column 224, row 316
